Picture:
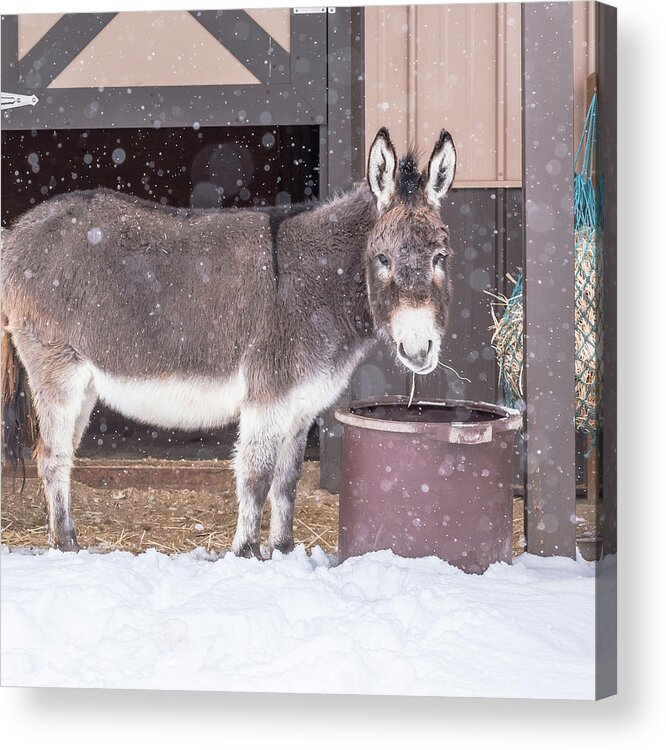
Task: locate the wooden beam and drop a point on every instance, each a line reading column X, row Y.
column 547, row 31
column 608, row 138
column 167, row 106
column 155, row 473
column 606, row 603
column 342, row 161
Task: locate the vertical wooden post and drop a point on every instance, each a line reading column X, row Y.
column 342, row 160
column 608, row 142
column 547, row 30
column 606, row 609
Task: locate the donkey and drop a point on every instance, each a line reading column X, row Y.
column 192, row 319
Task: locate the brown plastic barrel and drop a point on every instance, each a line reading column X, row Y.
column 433, row 478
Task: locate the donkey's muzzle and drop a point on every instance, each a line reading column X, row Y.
column 417, row 340
column 417, row 358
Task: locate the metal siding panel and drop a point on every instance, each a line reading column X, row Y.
column 430, row 76
column 500, row 92
column 386, row 77
column 459, row 94
column 454, row 66
column 481, row 125
column 513, row 125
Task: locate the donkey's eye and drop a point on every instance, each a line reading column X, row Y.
column 439, row 260
column 384, row 260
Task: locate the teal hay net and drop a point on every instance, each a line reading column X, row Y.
column 507, row 312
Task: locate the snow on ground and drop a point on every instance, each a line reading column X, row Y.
column 375, row 624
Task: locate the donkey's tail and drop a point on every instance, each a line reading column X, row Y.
column 18, row 419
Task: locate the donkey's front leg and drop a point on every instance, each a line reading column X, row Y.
column 283, row 490
column 260, row 435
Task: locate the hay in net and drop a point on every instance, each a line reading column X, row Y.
column 507, row 338
column 588, row 330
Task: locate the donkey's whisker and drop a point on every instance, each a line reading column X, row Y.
column 455, row 372
column 411, row 395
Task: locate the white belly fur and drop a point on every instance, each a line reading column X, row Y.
column 173, row 402
column 198, row 403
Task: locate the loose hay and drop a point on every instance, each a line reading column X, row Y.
column 170, row 520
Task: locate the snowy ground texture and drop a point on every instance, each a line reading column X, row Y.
column 376, row 624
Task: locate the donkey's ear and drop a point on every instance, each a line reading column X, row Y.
column 441, row 169
column 382, row 164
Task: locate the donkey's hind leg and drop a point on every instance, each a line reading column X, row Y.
column 283, row 490
column 59, row 381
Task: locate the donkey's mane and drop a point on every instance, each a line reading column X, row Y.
column 276, row 214
column 408, row 179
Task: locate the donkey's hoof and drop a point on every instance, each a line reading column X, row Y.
column 282, row 545
column 248, row 550
column 67, row 542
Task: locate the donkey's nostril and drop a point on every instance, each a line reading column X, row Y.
column 416, row 356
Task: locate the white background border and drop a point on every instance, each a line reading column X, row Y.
column 105, row 719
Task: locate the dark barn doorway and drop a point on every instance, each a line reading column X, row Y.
column 186, row 167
